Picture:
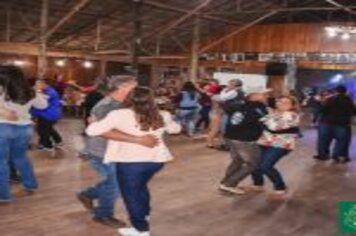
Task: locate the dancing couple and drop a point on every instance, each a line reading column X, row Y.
column 259, row 138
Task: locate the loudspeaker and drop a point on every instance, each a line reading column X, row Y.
column 276, row 68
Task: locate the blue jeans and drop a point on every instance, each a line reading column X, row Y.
column 342, row 136
column 187, row 118
column 106, row 191
column 14, row 142
column 133, row 179
column 269, row 158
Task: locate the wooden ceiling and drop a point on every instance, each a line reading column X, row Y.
column 76, row 24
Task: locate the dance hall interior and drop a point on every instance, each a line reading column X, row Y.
column 177, row 118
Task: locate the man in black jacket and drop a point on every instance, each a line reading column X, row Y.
column 335, row 124
column 242, row 131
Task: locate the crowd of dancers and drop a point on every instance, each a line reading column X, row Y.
column 124, row 136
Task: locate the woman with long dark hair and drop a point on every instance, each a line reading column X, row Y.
column 16, row 99
column 188, row 107
column 136, row 164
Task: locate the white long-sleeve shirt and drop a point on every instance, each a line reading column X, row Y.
column 225, row 95
column 22, row 111
column 124, row 120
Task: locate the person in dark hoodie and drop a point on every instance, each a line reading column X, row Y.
column 49, row 138
column 242, row 130
column 335, row 124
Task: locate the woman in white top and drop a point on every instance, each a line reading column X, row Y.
column 16, row 99
column 136, row 164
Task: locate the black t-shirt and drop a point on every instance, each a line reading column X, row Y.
column 91, row 100
column 244, row 122
column 338, row 110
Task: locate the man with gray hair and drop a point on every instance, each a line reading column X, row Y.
column 242, row 130
column 117, row 89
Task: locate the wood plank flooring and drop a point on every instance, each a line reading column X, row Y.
column 185, row 199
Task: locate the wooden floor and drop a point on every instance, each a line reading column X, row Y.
column 185, row 199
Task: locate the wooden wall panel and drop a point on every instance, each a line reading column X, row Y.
column 285, row 38
column 73, row 70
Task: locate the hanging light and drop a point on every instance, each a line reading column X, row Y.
column 60, row 63
column 88, row 64
column 331, row 31
column 345, row 36
column 18, row 63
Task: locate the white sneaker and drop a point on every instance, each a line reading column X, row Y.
column 236, row 191
column 280, row 192
column 132, row 232
column 59, row 146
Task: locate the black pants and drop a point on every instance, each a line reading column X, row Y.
column 48, row 135
column 13, row 171
column 204, row 117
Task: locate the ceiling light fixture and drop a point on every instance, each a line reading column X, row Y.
column 346, row 36
column 88, row 64
column 60, row 63
column 344, row 31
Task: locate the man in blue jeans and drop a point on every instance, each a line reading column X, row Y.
column 105, row 192
column 335, row 125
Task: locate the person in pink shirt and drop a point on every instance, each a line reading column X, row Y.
column 136, row 164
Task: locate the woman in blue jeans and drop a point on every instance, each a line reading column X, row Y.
column 275, row 146
column 16, row 99
column 188, row 107
column 136, row 165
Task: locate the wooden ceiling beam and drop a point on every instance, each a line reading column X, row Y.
column 340, row 6
column 32, row 49
column 284, row 9
column 179, row 43
column 108, row 52
column 181, row 19
column 164, row 6
column 77, row 7
column 237, row 31
column 89, row 26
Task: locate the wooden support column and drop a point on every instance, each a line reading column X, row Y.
column 194, row 62
column 76, row 8
column 137, row 40
column 156, row 72
column 8, row 23
column 158, row 47
column 98, row 35
column 103, row 63
column 42, row 56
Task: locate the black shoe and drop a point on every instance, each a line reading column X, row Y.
column 320, row 158
column 110, row 221
column 15, row 179
column 224, row 148
column 345, row 160
column 86, row 202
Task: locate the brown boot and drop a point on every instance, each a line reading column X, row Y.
column 86, row 202
column 110, row 221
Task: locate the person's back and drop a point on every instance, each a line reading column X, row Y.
column 131, row 152
column 188, row 100
column 96, row 146
column 338, row 110
column 54, row 108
